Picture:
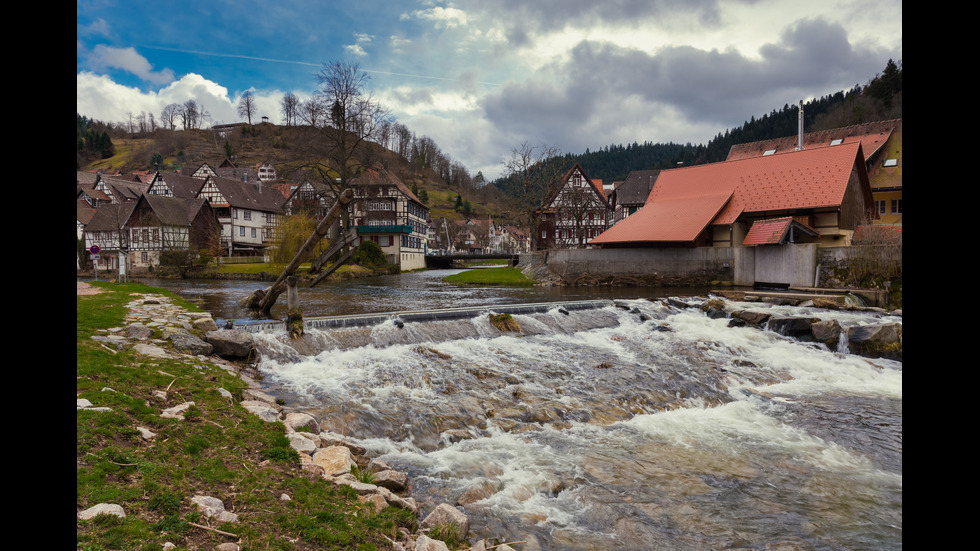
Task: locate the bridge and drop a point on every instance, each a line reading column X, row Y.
column 447, row 260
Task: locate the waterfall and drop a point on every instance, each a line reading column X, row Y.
column 635, row 424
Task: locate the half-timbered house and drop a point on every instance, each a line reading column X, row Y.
column 249, row 215
column 140, row 231
column 385, row 211
column 574, row 212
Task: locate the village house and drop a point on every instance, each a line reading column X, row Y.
column 141, row 231
column 824, row 190
column 385, row 211
column 630, row 195
column 881, row 142
column 249, row 214
column 575, row 212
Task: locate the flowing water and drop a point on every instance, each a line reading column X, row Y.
column 639, row 425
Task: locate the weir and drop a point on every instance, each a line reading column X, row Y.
column 362, row 320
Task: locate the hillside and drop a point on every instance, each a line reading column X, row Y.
column 282, row 147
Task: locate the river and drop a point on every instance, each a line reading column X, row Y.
column 645, row 427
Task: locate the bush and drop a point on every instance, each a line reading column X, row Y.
column 370, row 255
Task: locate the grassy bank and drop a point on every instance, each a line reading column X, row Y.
column 219, row 450
column 491, row 276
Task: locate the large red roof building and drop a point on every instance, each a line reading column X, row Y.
column 825, row 189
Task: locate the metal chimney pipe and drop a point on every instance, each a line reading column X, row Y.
column 799, row 145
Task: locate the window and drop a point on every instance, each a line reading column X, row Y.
column 144, row 258
column 253, row 233
column 241, row 231
column 890, row 162
column 247, row 215
column 837, row 141
column 896, row 206
column 881, row 206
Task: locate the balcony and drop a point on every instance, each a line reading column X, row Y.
column 397, row 228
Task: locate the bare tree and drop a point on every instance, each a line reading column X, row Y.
column 344, row 149
column 246, row 106
column 313, row 111
column 169, row 115
column 531, row 171
column 290, row 108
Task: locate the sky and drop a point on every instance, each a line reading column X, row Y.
column 481, row 77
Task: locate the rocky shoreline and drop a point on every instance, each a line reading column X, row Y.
column 322, row 453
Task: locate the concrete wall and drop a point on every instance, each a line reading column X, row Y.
column 793, row 265
column 654, row 266
column 797, row 265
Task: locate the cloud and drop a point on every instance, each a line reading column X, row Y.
column 357, row 49
column 105, row 57
column 600, row 93
column 99, row 97
column 98, row 27
column 444, row 17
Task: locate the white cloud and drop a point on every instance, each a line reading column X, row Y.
column 446, row 17
column 106, row 57
column 98, row 97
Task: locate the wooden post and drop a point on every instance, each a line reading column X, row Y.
column 264, row 300
column 292, row 295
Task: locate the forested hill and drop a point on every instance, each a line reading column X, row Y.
column 880, row 99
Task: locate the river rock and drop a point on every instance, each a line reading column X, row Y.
column 425, row 543
column 301, row 443
column 798, row 327
column 876, row 341
column 396, row 481
column 446, row 515
column 301, row 422
column 185, row 342
column 264, row 410
column 335, row 460
column 334, row 439
column 749, row 317
column 827, row 332
column 231, row 343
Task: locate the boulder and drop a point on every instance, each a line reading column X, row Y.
column 185, row 342
column 335, row 460
column 396, row 481
column 231, row 343
column 301, row 422
column 827, row 332
column 447, row 517
column 749, row 317
column 798, row 327
column 876, row 341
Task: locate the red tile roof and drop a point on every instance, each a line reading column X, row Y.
column 872, row 136
column 768, row 232
column 684, row 201
column 775, row 230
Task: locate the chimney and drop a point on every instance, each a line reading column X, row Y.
column 799, row 145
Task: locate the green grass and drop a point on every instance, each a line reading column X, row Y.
column 219, row 450
column 491, row 276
